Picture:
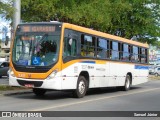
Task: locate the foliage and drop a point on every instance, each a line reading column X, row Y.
column 126, row 18
column 6, row 9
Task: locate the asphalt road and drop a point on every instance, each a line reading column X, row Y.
column 4, row 80
column 144, row 97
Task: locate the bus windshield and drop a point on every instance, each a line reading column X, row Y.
column 36, row 47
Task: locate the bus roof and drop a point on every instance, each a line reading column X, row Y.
column 93, row 32
column 104, row 35
column 42, row 23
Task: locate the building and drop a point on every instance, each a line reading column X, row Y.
column 154, row 55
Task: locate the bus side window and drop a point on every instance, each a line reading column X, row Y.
column 134, row 57
column 83, row 46
column 143, row 54
column 87, row 46
column 110, row 50
column 130, row 52
column 125, row 56
column 102, row 50
column 70, row 47
column 115, row 52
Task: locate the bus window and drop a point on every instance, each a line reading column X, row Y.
column 134, row 57
column 70, row 47
column 143, row 54
column 87, row 46
column 102, row 48
column 40, row 48
column 130, row 49
column 115, row 52
column 125, row 56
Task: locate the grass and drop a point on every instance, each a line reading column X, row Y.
column 6, row 87
column 153, row 77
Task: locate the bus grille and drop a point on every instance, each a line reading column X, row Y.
column 34, row 83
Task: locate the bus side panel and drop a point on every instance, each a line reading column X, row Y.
column 69, row 75
column 101, row 74
column 98, row 74
column 95, row 69
column 121, row 71
column 141, row 76
column 118, row 73
column 105, row 77
column 72, row 70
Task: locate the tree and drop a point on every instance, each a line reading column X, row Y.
column 126, row 18
column 6, row 9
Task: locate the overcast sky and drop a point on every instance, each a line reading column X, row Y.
column 4, row 23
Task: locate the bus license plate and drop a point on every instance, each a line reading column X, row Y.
column 29, row 85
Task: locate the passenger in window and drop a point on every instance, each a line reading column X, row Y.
column 90, row 54
column 83, row 53
column 102, row 54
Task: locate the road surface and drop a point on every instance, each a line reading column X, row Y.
column 144, row 97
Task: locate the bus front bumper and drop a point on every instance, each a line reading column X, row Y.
column 35, row 83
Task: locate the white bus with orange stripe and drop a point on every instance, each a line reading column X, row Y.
column 62, row 56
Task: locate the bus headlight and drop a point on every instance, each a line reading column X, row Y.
column 53, row 74
column 11, row 72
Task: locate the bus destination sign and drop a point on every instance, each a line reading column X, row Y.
column 39, row 28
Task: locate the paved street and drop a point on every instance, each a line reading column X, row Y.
column 143, row 97
column 4, row 80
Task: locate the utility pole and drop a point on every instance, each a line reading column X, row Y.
column 17, row 14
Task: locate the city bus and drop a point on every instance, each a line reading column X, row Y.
column 62, row 56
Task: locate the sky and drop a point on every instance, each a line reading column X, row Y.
column 4, row 24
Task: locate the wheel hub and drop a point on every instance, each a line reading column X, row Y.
column 81, row 87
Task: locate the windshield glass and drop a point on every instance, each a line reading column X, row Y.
column 35, row 48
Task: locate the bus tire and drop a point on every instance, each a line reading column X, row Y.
column 81, row 88
column 127, row 84
column 39, row 92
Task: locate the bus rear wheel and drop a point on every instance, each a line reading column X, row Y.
column 81, row 87
column 127, row 85
column 39, row 92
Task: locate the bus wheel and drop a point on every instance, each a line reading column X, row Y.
column 127, row 85
column 39, row 92
column 81, row 87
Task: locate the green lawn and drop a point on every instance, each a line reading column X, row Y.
column 153, row 77
column 5, row 88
